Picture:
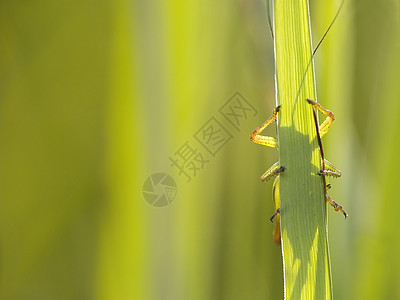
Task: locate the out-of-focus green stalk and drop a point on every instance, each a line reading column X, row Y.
column 302, row 196
column 121, row 258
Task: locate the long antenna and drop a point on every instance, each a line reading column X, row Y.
column 269, row 19
column 315, row 50
column 329, row 27
column 326, row 31
column 319, row 139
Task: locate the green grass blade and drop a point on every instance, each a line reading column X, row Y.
column 302, row 196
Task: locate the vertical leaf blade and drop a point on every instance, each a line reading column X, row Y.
column 302, row 195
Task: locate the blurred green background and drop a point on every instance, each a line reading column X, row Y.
column 95, row 96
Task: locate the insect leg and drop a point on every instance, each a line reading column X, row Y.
column 330, row 170
column 277, row 230
column 330, row 117
column 275, row 214
column 265, row 140
column 330, row 167
column 273, row 171
column 336, row 206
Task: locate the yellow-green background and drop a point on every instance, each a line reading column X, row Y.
column 97, row 95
